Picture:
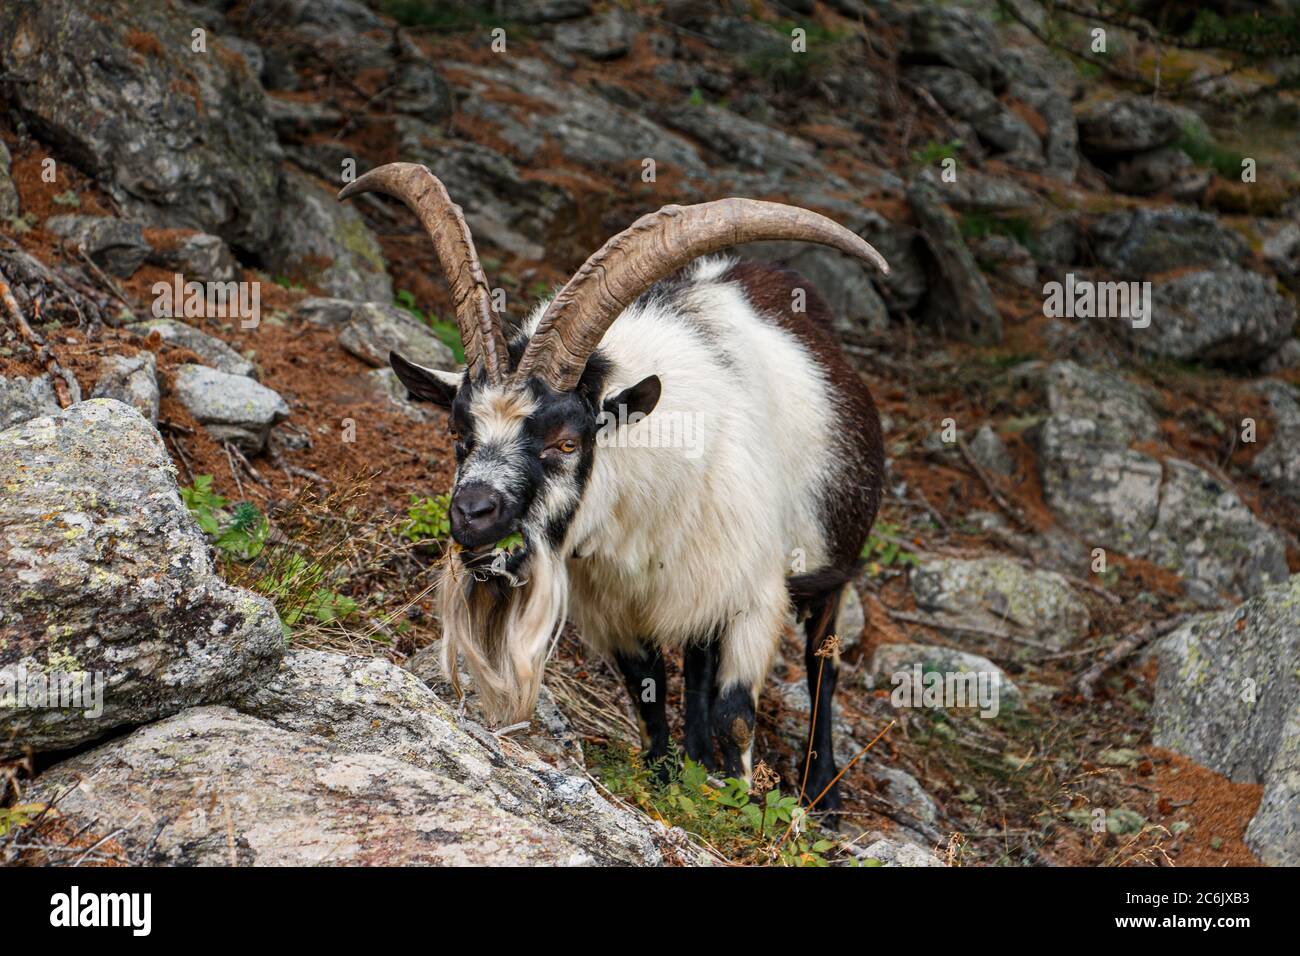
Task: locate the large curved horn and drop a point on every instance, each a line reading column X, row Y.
column 426, row 196
column 655, row 246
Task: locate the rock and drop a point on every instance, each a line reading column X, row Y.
column 1206, row 532
column 964, row 297
column 178, row 140
column 211, row 786
column 1167, row 169
column 1039, row 80
column 1118, row 408
column 1003, row 256
column 9, row 205
column 375, row 329
column 548, row 733
column 1287, row 356
column 418, row 88
column 1127, row 124
column 606, row 36
column 113, row 244
column 893, row 660
column 902, row 790
column 198, row 257
column 1001, row 130
column 958, row 38
column 324, row 312
column 132, row 380
column 1228, row 696
column 740, row 140
column 22, row 399
column 370, row 705
column 795, row 715
column 1279, row 464
column 887, row 852
column 103, row 571
column 1145, row 241
column 851, row 619
column 545, row 11
column 207, row 347
column 990, row 451
column 1227, row 315
column 1281, row 251
column 232, row 408
column 501, row 207
column 997, row 593
column 856, row 308
column 326, row 243
column 977, row 192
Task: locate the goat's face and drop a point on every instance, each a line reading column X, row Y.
column 523, row 458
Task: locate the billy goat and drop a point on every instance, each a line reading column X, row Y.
column 758, row 500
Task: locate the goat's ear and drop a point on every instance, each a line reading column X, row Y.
column 426, row 384
column 640, row 399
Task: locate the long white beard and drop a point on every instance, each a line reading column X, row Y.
column 505, row 642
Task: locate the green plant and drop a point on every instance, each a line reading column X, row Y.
column 19, row 815
column 427, row 518
column 934, row 152
column 746, row 827
column 1203, row 151
column 298, row 588
column 240, row 533
column 977, row 225
column 67, row 198
column 447, row 332
column 884, row 550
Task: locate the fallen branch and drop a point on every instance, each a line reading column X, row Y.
column 59, row 378
column 1126, row 646
column 960, row 627
column 1013, row 512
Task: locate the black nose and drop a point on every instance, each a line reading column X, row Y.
column 475, row 509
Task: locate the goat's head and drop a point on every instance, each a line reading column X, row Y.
column 525, row 431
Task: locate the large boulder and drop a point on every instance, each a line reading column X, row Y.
column 1145, row 241
column 1228, row 696
column 326, row 243
column 131, row 379
column 998, row 593
column 177, row 138
column 998, row 128
column 893, row 666
column 1128, row 124
column 104, row 575
column 1225, row 315
column 115, row 244
column 960, row 300
column 956, row 37
column 327, row 740
column 211, row 349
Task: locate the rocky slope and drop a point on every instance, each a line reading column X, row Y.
column 1064, row 483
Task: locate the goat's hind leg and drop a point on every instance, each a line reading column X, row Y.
column 646, row 680
column 817, row 768
column 699, row 671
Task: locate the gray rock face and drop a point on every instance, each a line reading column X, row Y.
column 326, row 242
column 1038, row 80
column 115, row 245
column 207, row 347
column 1001, row 130
column 132, row 380
column 200, row 258
column 103, row 571
column 740, row 140
column 1281, row 251
column 1141, row 242
column 177, row 138
column 857, row 309
column 9, row 205
column 1167, row 169
column 605, row 36
column 375, row 329
column 1005, row 257
column 1175, row 513
column 999, row 593
column 324, row 312
column 1227, row 315
column 887, row 852
column 232, row 408
column 973, row 191
column 221, row 788
column 1129, row 124
column 24, row 398
column 1228, row 696
column 963, row 297
column 958, row 38
column 365, row 705
column 1279, row 462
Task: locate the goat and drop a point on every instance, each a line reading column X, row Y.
column 698, row 544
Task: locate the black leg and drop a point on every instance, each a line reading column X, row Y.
column 646, row 680
column 819, row 765
column 733, row 729
column 700, row 667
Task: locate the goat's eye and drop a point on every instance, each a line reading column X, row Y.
column 455, row 434
column 568, row 446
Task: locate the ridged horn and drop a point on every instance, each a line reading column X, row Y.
column 426, row 196
column 653, row 247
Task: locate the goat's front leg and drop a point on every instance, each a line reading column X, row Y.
column 734, row 710
column 646, row 680
column 699, row 673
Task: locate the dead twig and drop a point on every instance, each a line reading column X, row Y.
column 1135, row 640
